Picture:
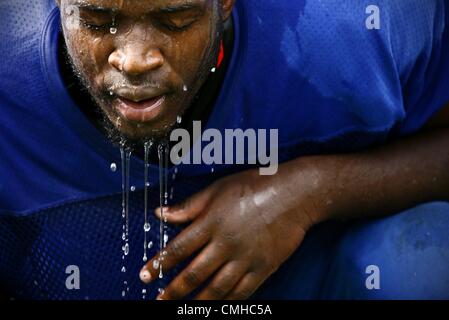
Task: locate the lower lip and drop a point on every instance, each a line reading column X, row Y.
column 143, row 111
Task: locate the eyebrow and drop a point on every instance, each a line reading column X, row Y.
column 180, row 8
column 189, row 6
column 95, row 8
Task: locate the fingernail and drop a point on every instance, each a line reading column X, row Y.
column 145, row 276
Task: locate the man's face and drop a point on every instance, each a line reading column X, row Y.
column 143, row 61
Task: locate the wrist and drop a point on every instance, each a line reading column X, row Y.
column 306, row 183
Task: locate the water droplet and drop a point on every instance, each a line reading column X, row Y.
column 213, row 70
column 150, row 244
column 179, row 119
column 111, row 93
column 123, row 293
column 147, row 184
column 184, row 88
column 125, row 249
column 133, row 188
column 161, row 275
column 164, row 253
column 144, row 258
column 113, row 30
column 123, row 269
column 144, row 291
column 123, row 236
column 212, row 170
column 147, row 227
column 156, row 264
column 113, row 167
column 161, row 291
column 165, row 238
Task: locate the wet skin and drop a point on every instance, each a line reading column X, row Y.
column 242, row 227
column 147, row 71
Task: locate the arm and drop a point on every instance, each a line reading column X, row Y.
column 382, row 181
column 238, row 215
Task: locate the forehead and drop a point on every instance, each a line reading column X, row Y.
column 138, row 6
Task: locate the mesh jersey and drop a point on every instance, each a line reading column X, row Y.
column 329, row 84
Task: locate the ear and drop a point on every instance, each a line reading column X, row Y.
column 226, row 7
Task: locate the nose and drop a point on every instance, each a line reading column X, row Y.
column 136, row 59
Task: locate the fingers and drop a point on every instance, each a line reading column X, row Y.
column 246, row 287
column 180, row 248
column 199, row 270
column 187, row 210
column 223, row 282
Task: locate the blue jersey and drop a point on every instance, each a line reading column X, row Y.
column 311, row 69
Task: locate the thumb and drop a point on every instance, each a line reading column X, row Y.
column 188, row 209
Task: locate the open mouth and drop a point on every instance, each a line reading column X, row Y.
column 142, row 111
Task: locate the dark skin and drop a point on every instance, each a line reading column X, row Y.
column 231, row 220
column 159, row 48
column 237, row 216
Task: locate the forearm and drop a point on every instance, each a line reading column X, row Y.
column 381, row 181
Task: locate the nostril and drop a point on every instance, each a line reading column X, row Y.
column 135, row 62
column 154, row 59
column 117, row 60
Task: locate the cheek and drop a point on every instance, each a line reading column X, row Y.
column 99, row 52
column 188, row 55
column 90, row 55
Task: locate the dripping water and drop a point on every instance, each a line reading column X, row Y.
column 146, row 225
column 125, row 158
column 163, row 198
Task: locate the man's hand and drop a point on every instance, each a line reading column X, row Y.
column 243, row 229
column 245, row 226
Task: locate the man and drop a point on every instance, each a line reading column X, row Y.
column 362, row 134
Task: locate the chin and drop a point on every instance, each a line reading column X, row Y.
column 135, row 135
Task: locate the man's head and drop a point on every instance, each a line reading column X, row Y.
column 143, row 61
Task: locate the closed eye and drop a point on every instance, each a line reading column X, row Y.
column 179, row 18
column 96, row 18
column 178, row 21
column 177, row 28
